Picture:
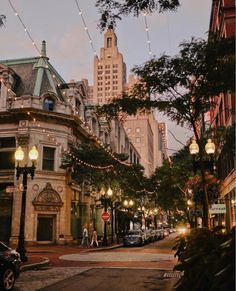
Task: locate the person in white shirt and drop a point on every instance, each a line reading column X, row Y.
column 85, row 242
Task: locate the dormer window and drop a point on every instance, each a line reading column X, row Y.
column 49, row 104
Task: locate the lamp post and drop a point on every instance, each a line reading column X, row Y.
column 106, row 200
column 210, row 150
column 128, row 204
column 203, row 165
column 25, row 171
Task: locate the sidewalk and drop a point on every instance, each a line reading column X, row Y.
column 42, row 255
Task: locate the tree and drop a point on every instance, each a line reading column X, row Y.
column 94, row 167
column 184, row 85
column 169, row 183
column 113, row 10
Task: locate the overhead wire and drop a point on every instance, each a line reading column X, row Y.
column 24, row 26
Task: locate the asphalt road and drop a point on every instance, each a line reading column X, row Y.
column 137, row 268
column 115, row 280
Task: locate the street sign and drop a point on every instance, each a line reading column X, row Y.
column 217, row 208
column 11, row 189
column 105, row 216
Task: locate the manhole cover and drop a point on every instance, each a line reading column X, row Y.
column 173, row 275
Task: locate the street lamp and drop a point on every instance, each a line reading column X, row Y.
column 210, row 150
column 106, row 200
column 203, row 165
column 19, row 156
column 128, row 204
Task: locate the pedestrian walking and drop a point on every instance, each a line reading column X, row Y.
column 94, row 237
column 85, row 242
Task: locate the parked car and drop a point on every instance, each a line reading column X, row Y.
column 147, row 236
column 133, row 238
column 160, row 233
column 9, row 267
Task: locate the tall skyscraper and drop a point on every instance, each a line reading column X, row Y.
column 109, row 70
column 109, row 81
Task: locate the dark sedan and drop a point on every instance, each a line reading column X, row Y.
column 9, row 267
column 133, row 238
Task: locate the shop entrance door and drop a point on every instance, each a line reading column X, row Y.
column 45, row 229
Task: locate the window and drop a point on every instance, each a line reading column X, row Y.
column 48, row 104
column 115, row 71
column 128, row 130
column 7, row 148
column 48, row 158
column 109, row 42
column 77, row 104
column 137, row 129
column 107, row 66
column 138, row 139
column 107, row 71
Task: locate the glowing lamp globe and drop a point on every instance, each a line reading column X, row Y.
column 33, row 154
column 194, row 148
column 125, row 202
column 131, row 202
column 109, row 191
column 210, row 147
column 19, row 154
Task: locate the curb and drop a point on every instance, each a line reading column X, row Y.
column 102, row 249
column 35, row 265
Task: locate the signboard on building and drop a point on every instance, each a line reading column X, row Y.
column 11, row 189
column 217, row 209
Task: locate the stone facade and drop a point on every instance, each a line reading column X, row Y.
column 38, row 108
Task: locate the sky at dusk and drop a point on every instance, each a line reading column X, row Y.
column 58, row 23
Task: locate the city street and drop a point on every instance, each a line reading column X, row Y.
column 138, row 268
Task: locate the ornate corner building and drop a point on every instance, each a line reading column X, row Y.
column 37, row 107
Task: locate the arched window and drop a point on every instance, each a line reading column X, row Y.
column 48, row 104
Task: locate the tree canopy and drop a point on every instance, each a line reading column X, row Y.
column 180, row 86
column 112, row 10
column 95, row 167
column 2, row 20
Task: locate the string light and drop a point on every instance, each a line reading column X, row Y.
column 24, row 26
column 86, row 28
column 148, row 37
column 51, row 137
column 83, row 163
